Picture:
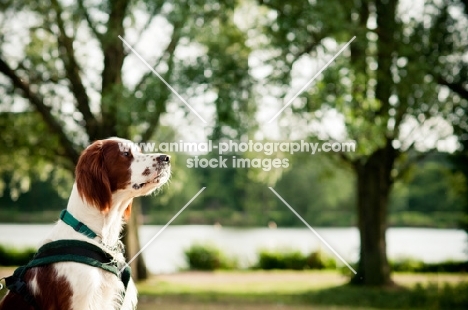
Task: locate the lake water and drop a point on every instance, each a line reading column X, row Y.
column 165, row 253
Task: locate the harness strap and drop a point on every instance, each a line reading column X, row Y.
column 74, row 251
column 65, row 251
column 16, row 284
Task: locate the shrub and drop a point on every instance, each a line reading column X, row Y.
column 318, row 260
column 447, row 266
column 269, row 260
column 280, row 260
column 294, row 260
column 207, row 257
column 10, row 256
column 412, row 265
column 406, row 265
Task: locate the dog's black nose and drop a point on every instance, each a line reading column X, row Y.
column 164, row 158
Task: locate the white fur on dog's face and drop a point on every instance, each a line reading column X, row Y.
column 148, row 171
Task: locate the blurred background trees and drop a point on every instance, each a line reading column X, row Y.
column 399, row 91
column 63, row 80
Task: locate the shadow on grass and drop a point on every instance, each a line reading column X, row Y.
column 431, row 296
column 428, row 297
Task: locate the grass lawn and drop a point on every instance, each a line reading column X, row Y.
column 297, row 290
column 166, row 304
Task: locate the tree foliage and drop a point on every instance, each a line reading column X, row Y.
column 67, row 78
column 62, row 72
column 399, row 89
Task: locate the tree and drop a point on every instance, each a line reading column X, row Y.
column 396, row 75
column 457, row 83
column 68, row 65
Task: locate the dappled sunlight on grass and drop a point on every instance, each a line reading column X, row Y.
column 249, row 282
column 184, row 304
column 301, row 290
column 296, row 290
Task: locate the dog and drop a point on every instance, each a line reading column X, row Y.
column 109, row 174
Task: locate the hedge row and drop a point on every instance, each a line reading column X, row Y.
column 209, row 257
column 10, row 256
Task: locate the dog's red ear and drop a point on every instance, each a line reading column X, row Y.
column 128, row 211
column 92, row 179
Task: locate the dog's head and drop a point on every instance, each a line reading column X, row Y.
column 117, row 165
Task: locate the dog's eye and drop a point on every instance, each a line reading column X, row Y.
column 126, row 154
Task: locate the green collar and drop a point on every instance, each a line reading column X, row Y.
column 78, row 226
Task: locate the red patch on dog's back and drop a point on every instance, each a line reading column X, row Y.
column 53, row 292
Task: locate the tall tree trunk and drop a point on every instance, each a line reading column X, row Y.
column 131, row 240
column 374, row 180
column 374, row 183
column 111, row 93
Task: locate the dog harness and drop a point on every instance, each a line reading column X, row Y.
column 67, row 251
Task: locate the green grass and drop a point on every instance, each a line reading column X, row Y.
column 297, row 290
column 302, row 290
column 241, row 283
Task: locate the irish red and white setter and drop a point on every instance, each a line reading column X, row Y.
column 109, row 174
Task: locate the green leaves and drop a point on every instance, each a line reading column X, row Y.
column 28, row 153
